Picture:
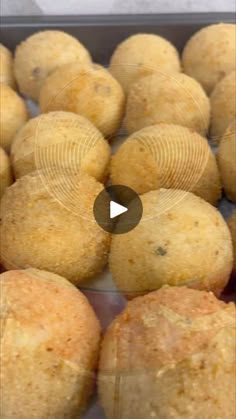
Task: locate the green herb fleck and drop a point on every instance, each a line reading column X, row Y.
column 160, row 251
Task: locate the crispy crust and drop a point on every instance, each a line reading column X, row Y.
column 61, row 237
column 67, row 139
column 181, row 240
column 5, row 172
column 172, row 99
column 49, row 346
column 161, row 355
column 14, row 114
column 223, row 106
column 227, row 161
column 141, row 55
column 6, row 67
column 169, row 156
column 90, row 91
column 232, row 228
column 40, row 54
column 209, row 54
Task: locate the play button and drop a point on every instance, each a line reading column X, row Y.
column 118, row 209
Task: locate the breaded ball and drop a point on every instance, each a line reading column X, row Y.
column 223, row 106
column 173, row 99
column 227, row 161
column 170, row 354
column 43, row 52
column 141, row 55
column 13, row 114
column 180, row 240
column 5, row 172
column 173, row 155
column 210, row 54
column 90, row 91
column 60, row 139
column 49, row 346
column 6, row 67
column 232, row 228
column 51, row 226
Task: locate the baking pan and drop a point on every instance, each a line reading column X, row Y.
column 101, row 34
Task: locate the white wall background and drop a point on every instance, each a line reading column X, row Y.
column 29, row 7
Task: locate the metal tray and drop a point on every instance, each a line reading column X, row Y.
column 101, row 34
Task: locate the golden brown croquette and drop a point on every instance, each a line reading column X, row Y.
column 43, row 52
column 63, row 140
column 13, row 115
column 173, row 99
column 167, row 156
column 49, row 346
column 51, row 226
column 180, row 240
column 170, row 354
column 141, row 55
column 209, row 54
column 90, row 91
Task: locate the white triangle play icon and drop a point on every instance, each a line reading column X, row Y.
column 116, row 209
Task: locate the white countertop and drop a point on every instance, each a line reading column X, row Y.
column 29, row 7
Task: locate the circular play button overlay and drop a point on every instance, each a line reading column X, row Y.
column 118, row 209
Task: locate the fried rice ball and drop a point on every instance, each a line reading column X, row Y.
column 170, row 354
column 167, row 156
column 180, row 240
column 49, row 224
column 232, row 228
column 49, row 346
column 40, row 54
column 5, row 172
column 60, row 139
column 141, row 55
column 13, row 115
column 209, row 55
column 174, row 99
column 6, row 67
column 223, row 106
column 227, row 161
column 90, row 91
